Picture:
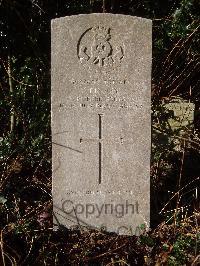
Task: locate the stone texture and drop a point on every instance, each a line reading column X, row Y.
column 182, row 113
column 101, row 121
column 181, row 120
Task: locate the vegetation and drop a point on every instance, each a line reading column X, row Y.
column 26, row 236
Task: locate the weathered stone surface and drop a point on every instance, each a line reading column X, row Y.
column 101, row 121
column 181, row 121
column 182, row 113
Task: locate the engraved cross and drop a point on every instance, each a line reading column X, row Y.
column 100, row 141
column 100, row 146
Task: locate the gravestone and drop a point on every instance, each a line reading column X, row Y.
column 180, row 121
column 101, row 121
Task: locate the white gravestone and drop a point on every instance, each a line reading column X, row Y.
column 101, row 121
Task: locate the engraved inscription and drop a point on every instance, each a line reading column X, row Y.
column 101, row 95
column 97, row 192
column 95, row 49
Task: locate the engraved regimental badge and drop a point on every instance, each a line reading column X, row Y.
column 97, row 48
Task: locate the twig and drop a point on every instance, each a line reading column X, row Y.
column 12, row 116
column 175, row 194
column 11, row 76
column 1, row 246
column 119, row 261
column 195, row 260
column 104, row 6
column 106, row 253
column 179, row 185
